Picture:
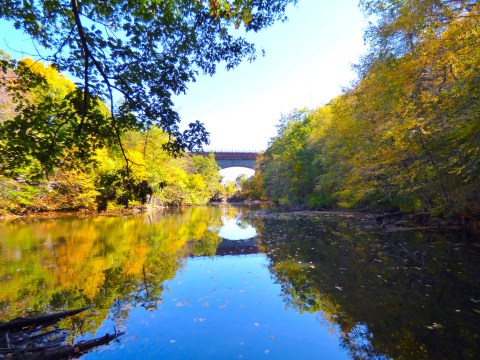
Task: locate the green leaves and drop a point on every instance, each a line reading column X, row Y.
column 48, row 119
column 286, row 164
column 145, row 51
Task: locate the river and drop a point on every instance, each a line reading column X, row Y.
column 221, row 283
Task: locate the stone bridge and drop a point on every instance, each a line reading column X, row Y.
column 227, row 159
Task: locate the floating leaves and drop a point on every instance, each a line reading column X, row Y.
column 434, row 326
column 182, row 303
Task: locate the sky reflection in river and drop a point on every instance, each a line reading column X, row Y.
column 224, row 308
column 233, row 229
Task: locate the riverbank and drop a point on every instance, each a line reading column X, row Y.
column 78, row 213
column 116, row 211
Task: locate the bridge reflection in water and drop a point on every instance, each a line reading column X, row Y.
column 238, row 237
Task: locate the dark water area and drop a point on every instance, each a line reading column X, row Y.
column 225, row 283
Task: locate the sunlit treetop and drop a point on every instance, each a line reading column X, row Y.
column 397, row 25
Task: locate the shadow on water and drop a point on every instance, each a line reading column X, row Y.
column 401, row 295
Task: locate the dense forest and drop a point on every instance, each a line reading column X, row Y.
column 405, row 136
column 86, row 176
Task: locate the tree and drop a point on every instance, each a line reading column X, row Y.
column 420, row 76
column 240, row 181
column 252, row 187
column 7, row 107
column 405, row 136
column 143, row 51
column 208, row 169
column 397, row 26
column 41, row 130
column 286, row 164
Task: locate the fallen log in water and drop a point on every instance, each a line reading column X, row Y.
column 32, row 321
column 63, row 351
column 32, row 338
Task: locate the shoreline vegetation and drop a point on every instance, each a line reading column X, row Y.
column 405, row 136
column 403, row 140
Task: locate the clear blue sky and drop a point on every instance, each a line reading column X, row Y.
column 308, row 60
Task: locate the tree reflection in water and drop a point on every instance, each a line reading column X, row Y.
column 404, row 294
column 115, row 263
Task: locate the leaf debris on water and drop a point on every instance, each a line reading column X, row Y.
column 182, row 303
column 434, row 326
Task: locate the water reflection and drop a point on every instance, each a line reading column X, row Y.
column 235, row 228
column 70, row 262
column 158, row 276
column 404, row 295
column 238, row 236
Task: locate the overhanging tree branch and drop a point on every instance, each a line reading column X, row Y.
column 89, row 55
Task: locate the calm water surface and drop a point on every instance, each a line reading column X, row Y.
column 212, row 283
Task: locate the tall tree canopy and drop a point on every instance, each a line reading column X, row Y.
column 144, row 50
column 406, row 135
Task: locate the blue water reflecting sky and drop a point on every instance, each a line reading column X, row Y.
column 224, row 308
column 233, row 229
